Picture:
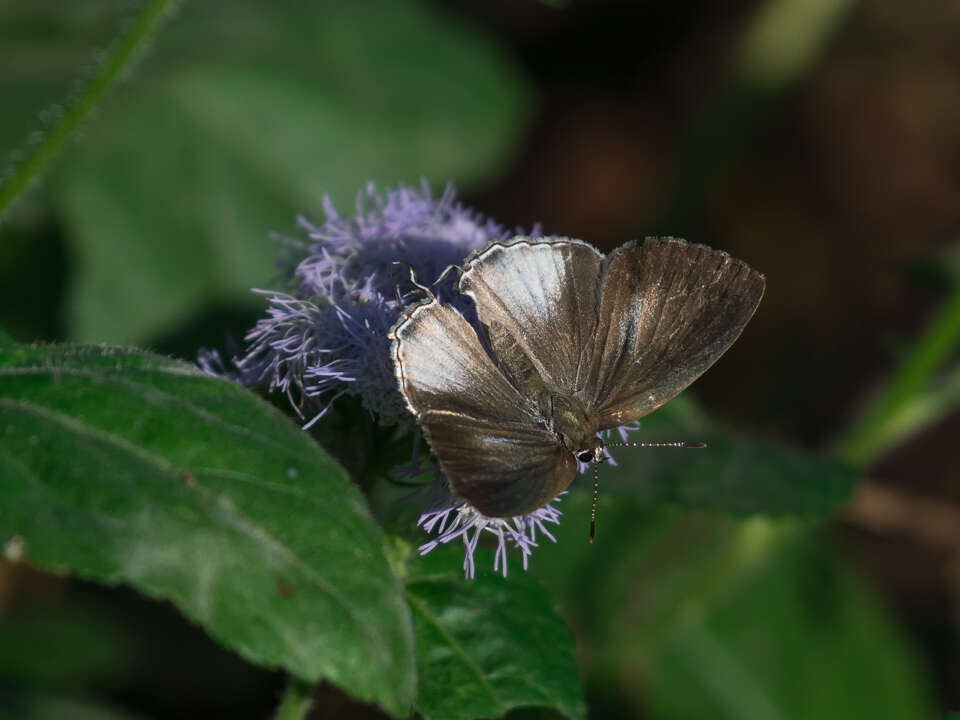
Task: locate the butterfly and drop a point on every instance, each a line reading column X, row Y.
column 571, row 343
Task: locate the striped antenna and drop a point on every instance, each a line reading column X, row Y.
column 596, row 494
column 663, row 444
column 596, row 473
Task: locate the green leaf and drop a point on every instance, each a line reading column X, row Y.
column 245, row 114
column 923, row 409
column 488, row 645
column 904, row 404
column 743, row 476
column 731, row 474
column 125, row 467
column 796, row 638
column 692, row 614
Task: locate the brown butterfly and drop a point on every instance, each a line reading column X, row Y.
column 575, row 343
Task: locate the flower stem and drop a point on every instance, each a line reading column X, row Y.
column 870, row 434
column 119, row 58
column 297, row 701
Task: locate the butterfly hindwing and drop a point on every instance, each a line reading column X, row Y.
column 503, row 469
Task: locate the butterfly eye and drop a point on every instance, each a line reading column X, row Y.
column 585, row 456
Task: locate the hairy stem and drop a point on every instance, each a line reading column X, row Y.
column 118, row 59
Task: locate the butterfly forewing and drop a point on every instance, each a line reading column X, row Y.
column 441, row 365
column 668, row 310
column 538, row 300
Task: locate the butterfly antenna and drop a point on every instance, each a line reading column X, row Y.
column 596, row 473
column 400, row 303
column 446, row 272
column 413, row 279
column 596, row 495
column 659, row 444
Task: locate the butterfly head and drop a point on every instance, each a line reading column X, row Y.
column 594, row 454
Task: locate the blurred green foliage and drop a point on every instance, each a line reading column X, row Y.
column 917, row 396
column 239, row 117
column 244, row 115
column 52, row 656
column 687, row 614
column 734, row 473
column 52, row 708
column 28, row 660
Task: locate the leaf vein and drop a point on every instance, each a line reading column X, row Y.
column 241, row 522
column 457, row 648
column 153, row 392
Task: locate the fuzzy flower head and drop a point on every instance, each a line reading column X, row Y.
column 325, row 334
column 457, row 519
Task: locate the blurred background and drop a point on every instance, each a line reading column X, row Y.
column 819, row 140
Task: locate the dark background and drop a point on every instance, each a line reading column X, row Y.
column 838, row 177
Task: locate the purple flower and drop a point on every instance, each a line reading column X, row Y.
column 325, row 334
column 456, row 518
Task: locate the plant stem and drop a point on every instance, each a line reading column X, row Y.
column 119, row 58
column 297, row 701
column 866, row 439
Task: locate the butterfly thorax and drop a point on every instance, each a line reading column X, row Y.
column 576, row 427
